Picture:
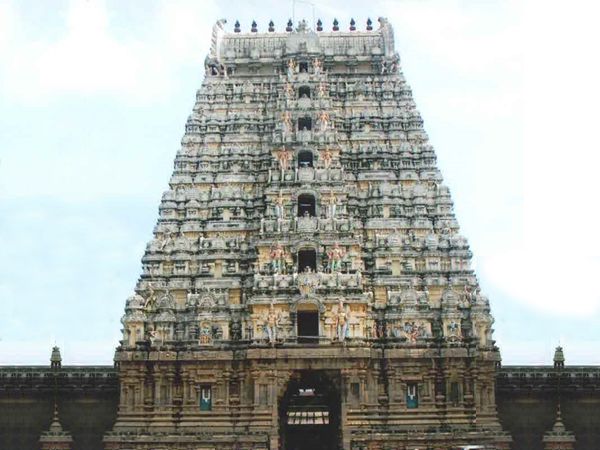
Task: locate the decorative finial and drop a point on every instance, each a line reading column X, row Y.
column 289, row 26
column 55, row 358
column 271, row 26
column 254, row 28
column 336, row 25
column 559, row 358
column 319, row 25
column 352, row 25
column 55, row 426
column 369, row 24
column 236, row 27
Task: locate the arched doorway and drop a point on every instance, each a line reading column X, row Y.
column 304, row 92
column 310, row 411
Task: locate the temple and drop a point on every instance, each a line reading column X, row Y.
column 307, row 285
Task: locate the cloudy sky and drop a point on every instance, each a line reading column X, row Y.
column 94, row 95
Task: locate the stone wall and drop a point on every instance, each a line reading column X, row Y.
column 527, row 399
column 87, row 399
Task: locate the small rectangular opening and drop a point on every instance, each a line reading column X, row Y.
column 307, row 260
column 308, row 326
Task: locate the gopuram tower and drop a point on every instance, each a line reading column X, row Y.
column 307, row 286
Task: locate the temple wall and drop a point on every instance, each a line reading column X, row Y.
column 87, row 399
column 526, row 399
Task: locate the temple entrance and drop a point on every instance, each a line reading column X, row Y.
column 309, row 411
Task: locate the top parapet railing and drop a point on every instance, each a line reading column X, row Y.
column 226, row 45
column 289, row 28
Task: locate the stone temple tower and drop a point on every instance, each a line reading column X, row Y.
column 307, row 286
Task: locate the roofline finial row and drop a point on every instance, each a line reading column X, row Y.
column 237, row 28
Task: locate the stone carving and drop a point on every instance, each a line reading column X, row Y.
column 341, row 321
column 286, row 122
column 277, row 258
column 413, row 331
column 284, row 157
column 317, row 66
column 453, row 330
column 322, row 89
column 323, row 121
column 206, row 334
column 289, row 91
column 336, row 255
column 326, row 156
column 271, row 324
column 308, row 281
column 291, row 68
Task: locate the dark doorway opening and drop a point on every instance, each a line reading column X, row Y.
column 304, row 92
column 309, row 411
column 307, row 260
column 306, row 205
column 308, row 326
column 304, row 123
column 305, row 158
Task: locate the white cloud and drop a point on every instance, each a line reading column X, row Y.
column 87, row 58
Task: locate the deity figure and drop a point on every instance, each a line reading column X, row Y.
column 151, row 300
column 205, row 333
column 424, row 299
column 323, row 121
column 151, row 335
column 412, row 331
column 166, row 239
column 341, row 321
column 317, row 66
column 286, row 120
column 322, row 89
column 335, row 254
column 378, row 330
column 279, row 208
column 284, row 156
column 191, row 298
column 454, row 329
column 277, row 258
column 289, row 91
column 271, row 322
column 291, row 68
column 469, row 296
column 331, row 203
column 326, row 156
column 307, row 281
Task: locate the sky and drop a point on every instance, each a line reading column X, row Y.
column 94, row 95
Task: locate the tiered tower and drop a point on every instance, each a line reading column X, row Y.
column 307, row 285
